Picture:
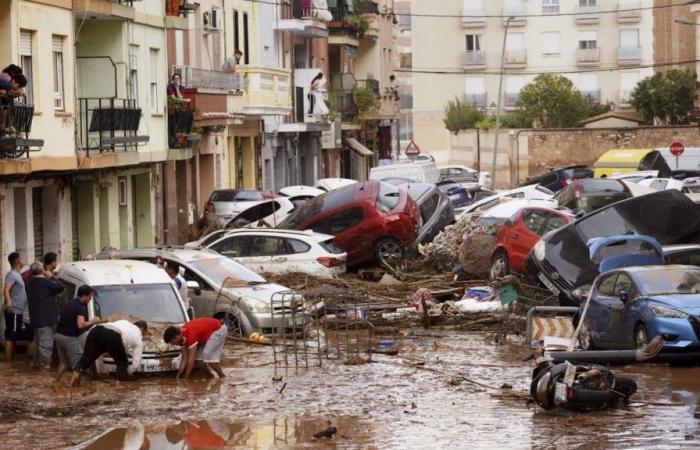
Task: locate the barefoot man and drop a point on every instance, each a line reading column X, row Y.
column 202, row 340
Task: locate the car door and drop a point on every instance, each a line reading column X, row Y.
column 603, row 304
column 523, row 236
column 202, row 300
column 298, row 257
column 625, row 317
column 236, row 247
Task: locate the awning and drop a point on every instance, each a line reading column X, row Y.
column 358, row 147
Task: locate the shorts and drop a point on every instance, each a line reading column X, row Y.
column 210, row 351
column 69, row 350
column 16, row 329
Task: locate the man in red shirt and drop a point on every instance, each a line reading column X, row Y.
column 202, row 340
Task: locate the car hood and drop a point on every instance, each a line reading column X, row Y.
column 687, row 303
column 263, row 292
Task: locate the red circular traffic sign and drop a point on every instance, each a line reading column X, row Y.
column 677, row 148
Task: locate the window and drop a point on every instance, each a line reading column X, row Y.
column 586, row 2
column 629, row 80
column 133, row 73
column 534, row 220
column 550, row 43
column 629, row 38
column 514, row 83
column 587, row 83
column 236, row 246
column 246, row 49
column 58, row 87
column 515, row 41
column 236, row 40
column 550, row 6
column 338, row 222
column 428, row 207
column 624, row 283
column 153, row 60
column 473, row 42
column 297, row 246
column 25, row 61
column 268, row 246
column 606, row 286
column 587, row 40
column 122, row 191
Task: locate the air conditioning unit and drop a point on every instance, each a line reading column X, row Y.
column 212, row 20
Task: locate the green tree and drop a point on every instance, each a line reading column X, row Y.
column 665, row 99
column 552, row 101
column 460, row 116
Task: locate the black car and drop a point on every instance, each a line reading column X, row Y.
column 558, row 178
column 561, row 259
column 589, row 194
column 682, row 174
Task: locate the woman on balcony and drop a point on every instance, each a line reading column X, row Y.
column 317, row 96
column 176, row 89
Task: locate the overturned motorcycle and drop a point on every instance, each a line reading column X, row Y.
column 578, row 387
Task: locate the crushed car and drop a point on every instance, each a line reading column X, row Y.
column 589, row 194
column 299, row 194
column 224, row 204
column 436, row 211
column 558, row 178
column 268, row 213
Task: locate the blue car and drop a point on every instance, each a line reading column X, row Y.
column 632, row 305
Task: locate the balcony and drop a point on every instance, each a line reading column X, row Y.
column 109, row 125
column 305, row 19
column 473, row 17
column 268, row 91
column 587, row 15
column 515, row 58
column 302, row 102
column 587, row 56
column 178, row 8
column 511, row 99
column 628, row 12
column 341, row 96
column 550, row 9
column 474, row 60
column 216, row 80
column 343, row 27
column 105, row 9
column 518, row 14
column 592, row 96
column 629, row 55
column 476, row 100
column 15, row 126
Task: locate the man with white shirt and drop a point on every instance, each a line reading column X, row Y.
column 118, row 339
column 173, row 270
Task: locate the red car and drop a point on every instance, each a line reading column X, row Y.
column 371, row 221
column 520, row 234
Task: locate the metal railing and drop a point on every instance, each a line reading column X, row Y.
column 345, row 104
column 109, row 124
column 550, row 9
column 477, row 100
column 592, row 96
column 210, row 79
column 588, row 13
column 474, row 58
column 341, row 13
column 179, row 128
column 587, row 55
column 342, row 82
column 629, row 53
column 518, row 56
column 15, row 126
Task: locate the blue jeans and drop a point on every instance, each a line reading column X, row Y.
column 43, row 340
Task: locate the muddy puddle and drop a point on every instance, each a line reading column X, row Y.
column 441, row 391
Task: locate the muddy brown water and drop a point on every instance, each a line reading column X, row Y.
column 390, row 403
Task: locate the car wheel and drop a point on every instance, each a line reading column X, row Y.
column 641, row 336
column 233, row 323
column 499, row 265
column 388, row 251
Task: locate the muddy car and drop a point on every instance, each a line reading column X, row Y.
column 135, row 290
column 561, row 258
column 222, row 288
column 589, row 194
column 436, row 211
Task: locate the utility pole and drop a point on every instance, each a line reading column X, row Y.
column 498, row 105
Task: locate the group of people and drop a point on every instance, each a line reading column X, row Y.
column 30, row 313
column 12, row 82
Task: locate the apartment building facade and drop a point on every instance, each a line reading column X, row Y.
column 604, row 46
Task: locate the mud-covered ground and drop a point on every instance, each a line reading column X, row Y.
column 441, row 391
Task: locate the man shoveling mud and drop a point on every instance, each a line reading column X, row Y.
column 202, row 340
column 117, row 339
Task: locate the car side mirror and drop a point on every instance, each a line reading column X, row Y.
column 624, row 296
column 195, row 287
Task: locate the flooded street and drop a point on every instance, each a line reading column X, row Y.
column 441, row 391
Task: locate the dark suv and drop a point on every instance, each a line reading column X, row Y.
column 558, row 178
column 589, row 194
column 370, row 221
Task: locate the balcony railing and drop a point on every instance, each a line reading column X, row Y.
column 511, row 98
column 517, row 12
column 180, row 128
column 341, row 16
column 210, row 79
column 477, row 100
column 371, row 84
column 587, row 14
column 628, row 11
column 266, row 89
column 474, row 59
column 109, row 124
column 587, row 55
column 473, row 17
column 516, row 57
column 342, row 82
column 592, row 96
column 311, row 9
column 345, row 104
column 15, row 126
column 629, row 54
column 550, row 9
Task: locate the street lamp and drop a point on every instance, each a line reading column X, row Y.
column 682, row 21
column 493, row 107
column 498, row 106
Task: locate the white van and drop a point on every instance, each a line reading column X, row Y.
column 417, row 171
column 134, row 290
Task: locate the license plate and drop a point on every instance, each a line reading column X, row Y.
column 455, row 197
column 148, row 367
column 548, row 284
column 560, row 393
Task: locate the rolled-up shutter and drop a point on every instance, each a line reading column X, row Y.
column 25, row 42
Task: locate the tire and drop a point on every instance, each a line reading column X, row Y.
column 237, row 326
column 388, row 251
column 499, row 265
column 641, row 336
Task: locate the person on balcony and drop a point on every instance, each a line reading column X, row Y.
column 317, row 96
column 230, row 64
column 176, row 89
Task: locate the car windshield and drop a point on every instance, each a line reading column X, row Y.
column 669, row 281
column 220, row 270
column 590, row 185
column 213, row 237
column 591, row 202
column 149, row 302
column 388, row 197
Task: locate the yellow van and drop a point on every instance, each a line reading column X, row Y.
column 628, row 160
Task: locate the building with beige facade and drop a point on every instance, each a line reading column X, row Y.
column 604, row 46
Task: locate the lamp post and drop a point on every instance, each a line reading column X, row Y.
column 498, row 106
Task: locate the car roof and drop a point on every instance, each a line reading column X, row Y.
column 670, row 267
column 418, row 190
column 115, row 272
column 185, row 254
column 319, row 237
column 676, row 248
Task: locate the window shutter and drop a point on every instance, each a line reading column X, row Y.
column 57, row 43
column 25, row 43
column 629, row 38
